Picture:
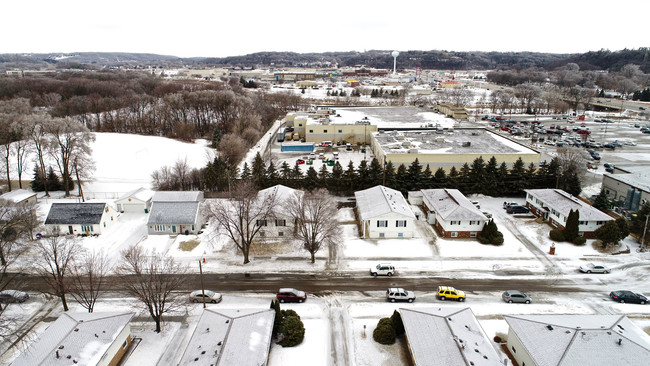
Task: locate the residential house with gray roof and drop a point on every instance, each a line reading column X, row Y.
column 280, row 224
column 443, row 336
column 80, row 218
column 576, row 340
column 138, row 201
column 90, row 339
column 452, row 214
column 384, row 213
column 230, row 337
column 174, row 213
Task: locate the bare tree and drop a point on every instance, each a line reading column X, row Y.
column 35, row 126
column 16, row 221
column 571, row 159
column 314, row 214
column 69, row 139
column 87, row 278
column 243, row 216
column 153, row 279
column 56, row 254
column 83, row 167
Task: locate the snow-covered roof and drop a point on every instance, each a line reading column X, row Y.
column 75, row 213
column 638, row 177
column 17, row 195
column 450, row 204
column 140, row 194
column 567, row 340
column 173, row 213
column 282, row 194
column 380, row 200
column 563, row 203
column 177, row 196
column 447, row 336
column 231, row 337
column 85, row 337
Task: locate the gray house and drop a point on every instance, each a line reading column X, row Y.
column 176, row 212
column 80, row 218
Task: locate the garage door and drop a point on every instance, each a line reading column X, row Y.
column 133, row 207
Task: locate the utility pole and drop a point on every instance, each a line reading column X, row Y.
column 202, row 287
column 645, row 228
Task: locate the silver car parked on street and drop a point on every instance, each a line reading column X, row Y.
column 511, row 296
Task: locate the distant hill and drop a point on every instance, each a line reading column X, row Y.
column 382, row 59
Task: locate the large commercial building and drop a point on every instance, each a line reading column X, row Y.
column 630, row 186
column 448, row 148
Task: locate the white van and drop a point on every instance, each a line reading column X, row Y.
column 336, row 154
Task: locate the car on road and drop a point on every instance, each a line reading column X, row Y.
column 210, row 296
column 13, row 296
column 291, row 295
column 382, row 269
column 594, row 268
column 623, row 296
column 300, row 161
column 447, row 292
column 394, row 294
column 511, row 296
column 517, row 210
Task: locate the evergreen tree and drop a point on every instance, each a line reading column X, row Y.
column 258, row 171
column 364, row 175
column 517, row 177
column 38, row 181
column 623, row 227
column 350, row 177
column 271, row 175
column 440, row 178
column 571, row 182
column 477, row 176
column 608, row 233
column 601, row 202
column 571, row 230
column 375, row 173
column 427, row 179
column 389, row 175
column 503, row 187
column 463, row 180
column 275, row 305
column 414, row 175
column 285, row 171
column 337, row 177
column 491, row 177
column 245, row 172
column 401, row 179
column 323, row 176
column 490, row 234
column 530, row 176
column 296, row 173
column 311, row 180
column 53, row 182
column 216, row 138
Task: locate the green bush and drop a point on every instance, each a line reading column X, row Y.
column 287, row 313
column 579, row 240
column 398, row 325
column 384, row 333
column 292, row 330
column 556, row 235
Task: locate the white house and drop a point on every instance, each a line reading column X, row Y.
column 92, row 339
column 176, row 212
column 384, row 213
column 281, row 223
column 227, row 337
column 137, row 201
column 80, row 218
column 452, row 214
column 19, row 196
column 554, row 205
column 443, row 336
column 576, row 340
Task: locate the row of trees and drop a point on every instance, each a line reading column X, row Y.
column 27, row 134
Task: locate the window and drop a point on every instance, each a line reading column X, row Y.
column 513, row 349
column 382, row 223
column 400, row 235
column 125, row 344
column 159, row 227
column 473, row 222
column 311, row 131
column 260, row 222
column 454, row 234
column 262, row 234
column 88, row 228
column 382, row 235
column 299, row 124
column 280, row 222
column 280, row 233
column 104, row 224
column 599, row 222
column 582, row 222
column 324, row 131
column 454, row 223
column 472, row 234
column 340, row 131
column 400, row 223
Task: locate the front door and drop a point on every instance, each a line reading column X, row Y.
column 70, row 230
column 173, row 229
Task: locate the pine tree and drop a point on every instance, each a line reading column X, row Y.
column 285, row 171
column 323, row 176
column 477, row 176
column 245, row 172
column 375, row 173
column 350, row 177
column 337, row 177
column 258, row 171
column 623, row 227
column 389, row 175
column 601, row 202
column 271, row 175
column 427, row 179
column 296, row 172
column 440, row 178
column 571, row 182
column 364, row 175
column 216, row 138
column 402, row 179
column 530, row 176
column 38, row 182
column 517, row 177
column 311, row 180
column 608, row 233
column 491, row 177
column 571, row 229
column 414, row 175
column 53, row 182
column 502, row 180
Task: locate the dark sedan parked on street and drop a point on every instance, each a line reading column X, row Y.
column 628, row 296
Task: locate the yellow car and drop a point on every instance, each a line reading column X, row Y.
column 448, row 292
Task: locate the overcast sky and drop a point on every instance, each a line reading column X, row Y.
column 217, row 28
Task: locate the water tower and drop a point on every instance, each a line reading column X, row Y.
column 395, row 54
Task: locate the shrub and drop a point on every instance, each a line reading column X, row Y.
column 275, row 305
column 293, row 331
column 556, row 235
column 384, row 333
column 287, row 313
column 398, row 325
column 579, row 240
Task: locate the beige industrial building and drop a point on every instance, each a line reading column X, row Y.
column 322, row 125
column 448, row 148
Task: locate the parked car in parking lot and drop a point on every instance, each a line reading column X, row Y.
column 594, row 268
column 508, row 204
column 13, row 296
column 291, row 295
column 447, row 292
column 511, row 296
column 399, row 294
column 382, row 269
column 623, row 296
column 210, row 296
column 517, row 210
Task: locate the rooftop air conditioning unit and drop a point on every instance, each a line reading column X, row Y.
column 400, row 137
column 467, row 144
column 413, row 151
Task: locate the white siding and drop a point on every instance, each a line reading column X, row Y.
column 391, row 230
